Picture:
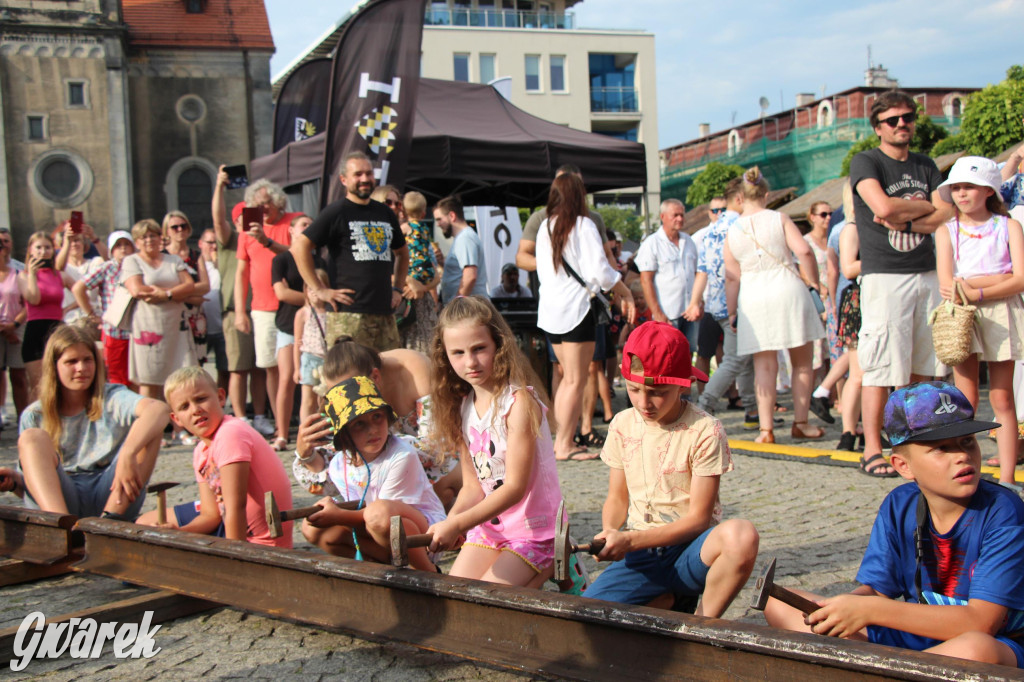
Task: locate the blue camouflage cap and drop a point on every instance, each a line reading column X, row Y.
column 930, row 410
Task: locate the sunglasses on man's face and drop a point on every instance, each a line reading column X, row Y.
column 894, row 121
column 716, row 211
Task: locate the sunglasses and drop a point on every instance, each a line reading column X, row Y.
column 824, row 214
column 208, row 243
column 178, row 226
column 716, row 211
column 893, row 121
column 392, row 203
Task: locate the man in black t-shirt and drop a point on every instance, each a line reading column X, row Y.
column 896, row 208
column 367, row 259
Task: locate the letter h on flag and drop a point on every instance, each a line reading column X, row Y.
column 372, row 102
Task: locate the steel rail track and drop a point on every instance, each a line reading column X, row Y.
column 520, row 628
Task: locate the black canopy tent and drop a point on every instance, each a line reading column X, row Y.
column 469, row 140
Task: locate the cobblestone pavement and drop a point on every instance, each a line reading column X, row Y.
column 815, row 519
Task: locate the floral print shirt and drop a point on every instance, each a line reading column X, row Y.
column 421, row 262
column 711, row 262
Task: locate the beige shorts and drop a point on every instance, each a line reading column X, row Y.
column 375, row 331
column 999, row 330
column 264, row 335
column 895, row 340
column 238, row 347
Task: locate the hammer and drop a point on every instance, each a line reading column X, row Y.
column 161, row 499
column 275, row 517
column 565, row 546
column 765, row 587
column 400, row 544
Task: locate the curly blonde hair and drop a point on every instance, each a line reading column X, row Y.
column 510, row 368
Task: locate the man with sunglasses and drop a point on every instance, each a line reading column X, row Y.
column 896, row 209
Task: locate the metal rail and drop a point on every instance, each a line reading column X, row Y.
column 36, row 537
column 519, row 628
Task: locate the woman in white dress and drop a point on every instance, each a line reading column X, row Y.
column 770, row 303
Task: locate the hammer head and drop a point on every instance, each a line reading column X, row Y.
column 399, row 547
column 763, row 586
column 160, row 487
column 273, row 515
column 563, row 545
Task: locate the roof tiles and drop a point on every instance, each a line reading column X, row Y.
column 237, row 24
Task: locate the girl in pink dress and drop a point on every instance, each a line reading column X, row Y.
column 484, row 408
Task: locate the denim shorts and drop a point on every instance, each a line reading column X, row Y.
column 86, row 493
column 307, row 363
column 648, row 573
column 189, row 511
column 283, row 341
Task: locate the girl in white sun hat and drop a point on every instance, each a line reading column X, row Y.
column 982, row 249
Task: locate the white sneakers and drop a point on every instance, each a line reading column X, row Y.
column 263, row 425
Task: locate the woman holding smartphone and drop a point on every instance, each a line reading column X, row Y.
column 42, row 287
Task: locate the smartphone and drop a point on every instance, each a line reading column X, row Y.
column 251, row 215
column 76, row 222
column 46, row 263
column 237, row 176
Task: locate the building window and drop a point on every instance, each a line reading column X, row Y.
column 36, row 127
column 826, row 117
column 76, row 94
column 61, row 178
column 533, row 73
column 558, row 74
column 487, row 68
column 612, row 87
column 461, row 68
column 190, row 108
column 195, row 191
column 194, row 6
column 952, row 105
column 735, row 143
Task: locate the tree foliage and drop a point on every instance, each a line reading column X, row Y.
column 711, row 182
column 622, row 220
column 927, row 134
column 949, row 145
column 992, row 116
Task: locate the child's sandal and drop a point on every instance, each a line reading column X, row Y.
column 765, row 436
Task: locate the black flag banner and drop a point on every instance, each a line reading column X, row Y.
column 301, row 108
column 372, row 103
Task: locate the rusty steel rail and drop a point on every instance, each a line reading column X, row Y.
column 520, row 628
column 36, row 544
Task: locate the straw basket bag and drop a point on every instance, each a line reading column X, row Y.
column 953, row 328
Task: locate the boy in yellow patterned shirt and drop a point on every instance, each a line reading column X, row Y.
column 666, row 457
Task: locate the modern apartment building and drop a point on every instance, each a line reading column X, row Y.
column 598, row 80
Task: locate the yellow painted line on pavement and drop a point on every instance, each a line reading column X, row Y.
column 806, row 452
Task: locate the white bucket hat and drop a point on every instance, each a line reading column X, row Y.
column 116, row 236
column 972, row 170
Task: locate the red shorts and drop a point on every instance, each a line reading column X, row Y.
column 115, row 355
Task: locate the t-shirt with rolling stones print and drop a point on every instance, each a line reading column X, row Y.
column 360, row 240
column 883, row 250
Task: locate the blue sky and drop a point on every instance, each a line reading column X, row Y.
column 714, row 59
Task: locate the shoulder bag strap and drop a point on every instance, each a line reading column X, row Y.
column 568, row 268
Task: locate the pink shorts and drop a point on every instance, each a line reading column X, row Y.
column 115, row 355
column 538, row 554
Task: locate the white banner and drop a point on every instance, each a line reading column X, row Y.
column 499, row 230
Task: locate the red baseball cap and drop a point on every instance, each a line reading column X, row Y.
column 664, row 353
column 236, row 212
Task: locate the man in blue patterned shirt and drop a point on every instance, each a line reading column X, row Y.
column 711, row 277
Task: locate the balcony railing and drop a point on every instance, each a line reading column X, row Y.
column 613, row 100
column 497, row 18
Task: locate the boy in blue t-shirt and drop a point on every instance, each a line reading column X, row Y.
column 963, row 584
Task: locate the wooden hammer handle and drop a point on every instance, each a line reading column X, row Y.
column 300, row 513
column 802, row 604
column 415, row 541
column 161, row 507
column 303, row 512
column 593, row 547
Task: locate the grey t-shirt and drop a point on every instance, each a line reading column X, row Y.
column 91, row 445
column 466, row 251
column 539, row 216
column 883, row 250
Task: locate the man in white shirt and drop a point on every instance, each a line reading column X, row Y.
column 465, row 273
column 667, row 261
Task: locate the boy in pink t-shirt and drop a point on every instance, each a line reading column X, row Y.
column 234, row 466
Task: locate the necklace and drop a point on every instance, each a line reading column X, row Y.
column 975, row 235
